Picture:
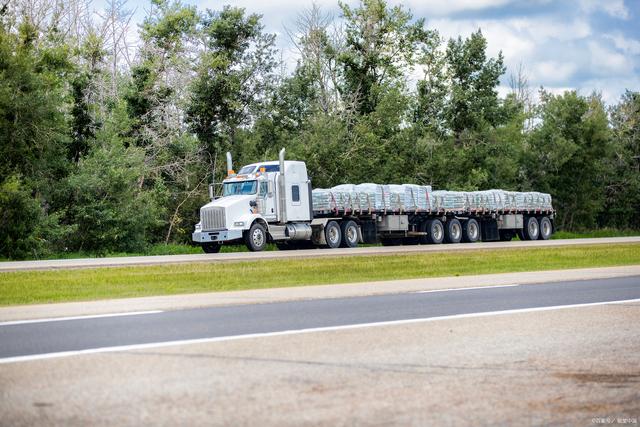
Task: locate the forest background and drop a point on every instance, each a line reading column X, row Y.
column 109, row 148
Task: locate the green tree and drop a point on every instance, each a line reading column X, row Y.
column 565, row 156
column 381, row 45
column 623, row 186
column 473, row 102
column 233, row 77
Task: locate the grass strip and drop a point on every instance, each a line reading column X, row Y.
column 103, row 283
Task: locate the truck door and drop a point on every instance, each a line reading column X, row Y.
column 267, row 196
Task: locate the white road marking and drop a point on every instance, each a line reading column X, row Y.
column 95, row 316
column 295, row 332
column 466, row 289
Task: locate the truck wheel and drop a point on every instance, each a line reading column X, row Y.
column 531, row 229
column 546, row 229
column 435, row 231
column 211, row 248
column 349, row 231
column 255, row 238
column 333, row 234
column 470, row 231
column 453, row 231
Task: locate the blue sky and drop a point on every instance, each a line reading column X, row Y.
column 570, row 44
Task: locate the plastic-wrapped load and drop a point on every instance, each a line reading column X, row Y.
column 322, row 199
column 372, row 197
column 396, row 197
column 345, row 196
column 451, row 200
column 418, row 197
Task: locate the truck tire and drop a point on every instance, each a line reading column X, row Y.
column 333, row 234
column 470, row 231
column 256, row 237
column 531, row 229
column 435, row 231
column 211, row 248
column 349, row 231
column 452, row 231
column 546, row 228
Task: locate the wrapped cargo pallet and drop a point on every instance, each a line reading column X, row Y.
column 371, row 197
column 450, row 200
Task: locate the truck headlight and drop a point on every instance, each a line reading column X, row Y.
column 238, row 224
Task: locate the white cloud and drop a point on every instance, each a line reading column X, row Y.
column 606, row 62
column 553, row 72
column 627, row 45
column 615, row 8
column 441, row 8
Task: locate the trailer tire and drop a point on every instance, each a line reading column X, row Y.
column 435, row 231
column 453, row 231
column 256, row 237
column 349, row 231
column 531, row 229
column 333, row 234
column 470, row 231
column 211, row 248
column 546, row 228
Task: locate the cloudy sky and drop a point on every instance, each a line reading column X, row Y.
column 564, row 44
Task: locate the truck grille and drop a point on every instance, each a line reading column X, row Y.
column 212, row 218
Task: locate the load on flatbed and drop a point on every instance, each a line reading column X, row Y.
column 273, row 202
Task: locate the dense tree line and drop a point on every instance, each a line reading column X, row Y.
column 108, row 148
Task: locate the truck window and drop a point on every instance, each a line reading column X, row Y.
column 295, row 193
column 246, row 170
column 264, row 188
column 239, row 187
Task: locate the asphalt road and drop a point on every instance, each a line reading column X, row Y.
column 311, row 253
column 50, row 337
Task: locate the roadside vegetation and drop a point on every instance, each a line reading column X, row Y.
column 107, row 148
column 104, row 283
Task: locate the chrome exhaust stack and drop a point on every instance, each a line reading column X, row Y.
column 282, row 188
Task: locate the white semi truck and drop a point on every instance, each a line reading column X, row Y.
column 273, row 202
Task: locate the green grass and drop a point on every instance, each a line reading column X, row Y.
column 603, row 232
column 103, row 283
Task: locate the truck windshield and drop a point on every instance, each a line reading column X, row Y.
column 240, row 187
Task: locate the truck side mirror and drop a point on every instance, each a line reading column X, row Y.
column 211, row 192
column 270, row 188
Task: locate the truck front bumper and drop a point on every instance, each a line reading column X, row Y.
column 216, row 236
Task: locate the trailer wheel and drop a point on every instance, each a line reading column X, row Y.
column 546, row 229
column 255, row 238
column 211, row 248
column 422, row 227
column 349, row 231
column 531, row 229
column 453, row 231
column 435, row 231
column 470, row 231
column 333, row 234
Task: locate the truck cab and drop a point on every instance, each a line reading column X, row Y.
column 257, row 204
